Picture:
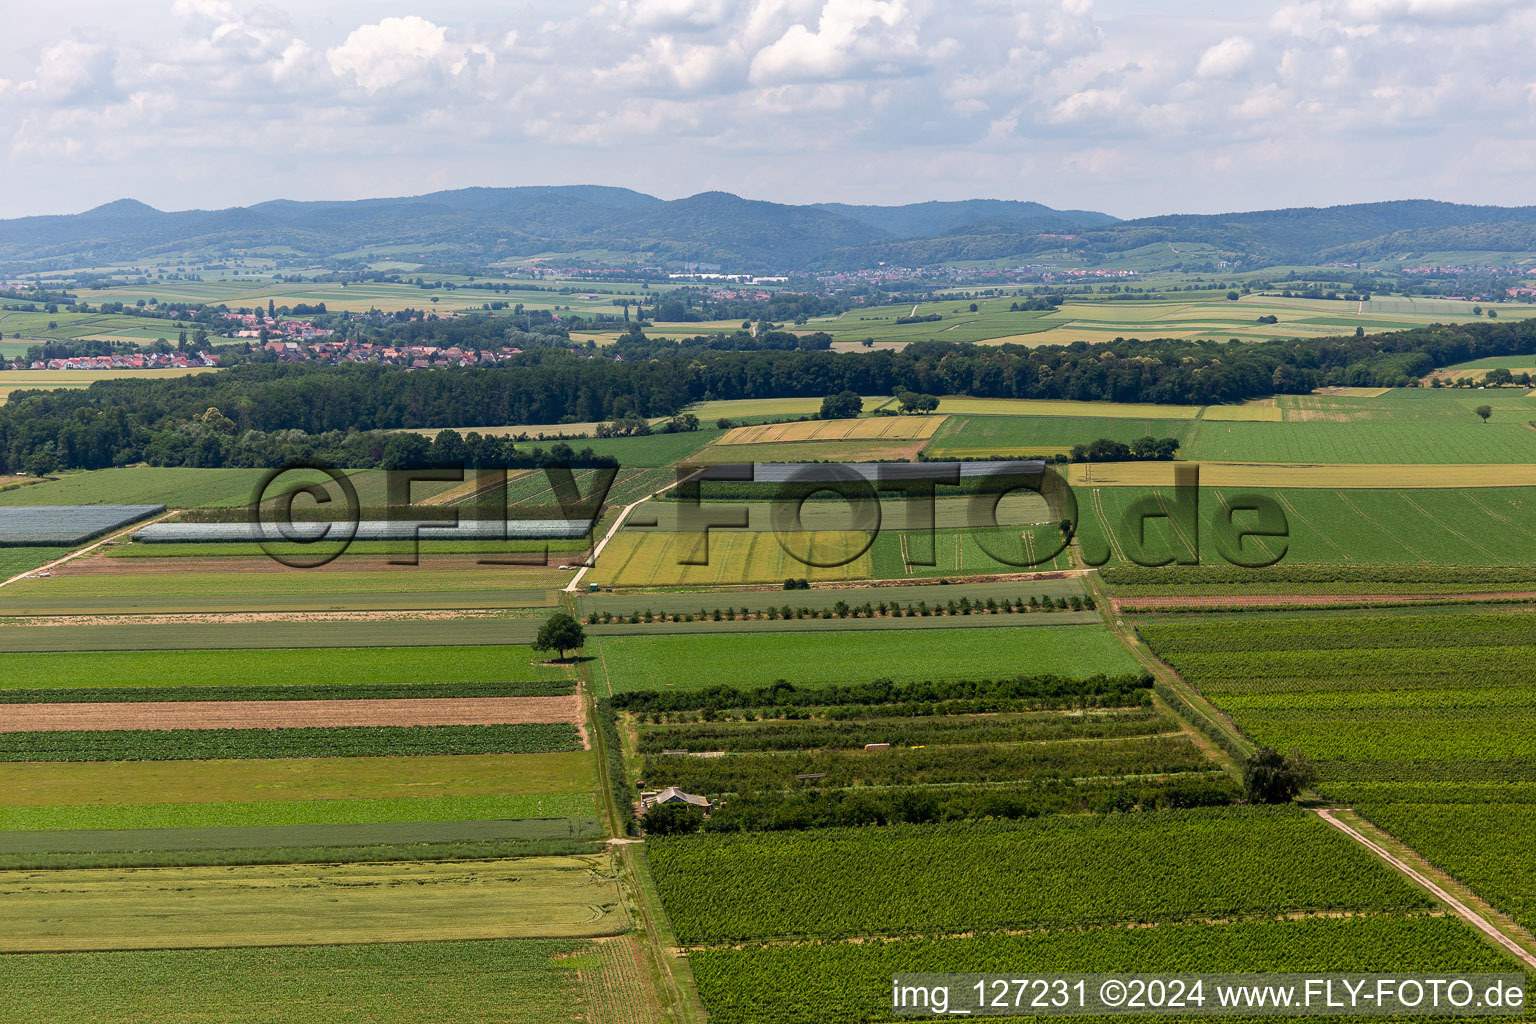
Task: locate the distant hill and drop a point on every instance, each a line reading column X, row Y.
column 923, row 220
column 477, row 225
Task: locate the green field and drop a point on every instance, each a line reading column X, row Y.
column 849, row 983
column 692, row 662
column 277, row 905
column 215, row 815
column 1426, row 720
column 963, row 437
column 294, row 780
column 14, row 561
column 1485, row 526
column 275, row 667
column 1055, row 872
column 518, row 981
column 401, row 631
column 1486, row 846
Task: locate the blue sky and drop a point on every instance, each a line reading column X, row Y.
column 1118, row 105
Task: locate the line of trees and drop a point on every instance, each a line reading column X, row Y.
column 123, row 421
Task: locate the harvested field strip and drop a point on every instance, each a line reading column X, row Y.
column 874, row 428
column 636, row 559
column 356, row 741
column 976, row 621
column 320, row 692
column 256, row 837
column 288, row 714
column 294, row 905
column 260, row 635
column 273, row 813
column 869, row 450
column 1306, row 475
column 1266, row 413
column 296, row 779
column 370, row 665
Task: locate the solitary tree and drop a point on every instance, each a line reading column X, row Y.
column 845, row 405
column 1270, row 778
column 1484, row 411
column 560, row 633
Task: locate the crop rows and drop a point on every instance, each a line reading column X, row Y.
column 407, row 983
column 1487, row 846
column 849, row 983
column 1374, row 632
column 69, row 525
column 941, row 765
column 1286, row 578
column 797, row 809
column 884, row 697
column 1060, row 872
column 358, row 741
column 1430, row 699
column 810, row 734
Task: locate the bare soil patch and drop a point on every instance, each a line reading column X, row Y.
column 290, row 714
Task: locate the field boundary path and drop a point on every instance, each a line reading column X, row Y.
column 91, row 547
column 1463, row 911
column 591, row 560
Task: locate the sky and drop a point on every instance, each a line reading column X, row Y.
column 1132, row 108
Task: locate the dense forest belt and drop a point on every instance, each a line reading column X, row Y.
column 342, row 410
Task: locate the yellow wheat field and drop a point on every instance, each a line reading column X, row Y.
column 876, row 428
column 1255, row 413
column 637, row 559
column 1303, row 475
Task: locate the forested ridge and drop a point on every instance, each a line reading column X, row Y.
column 200, row 420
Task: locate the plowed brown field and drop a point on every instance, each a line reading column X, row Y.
column 289, row 714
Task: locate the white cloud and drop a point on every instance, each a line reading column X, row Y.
column 1226, row 58
column 889, row 99
column 851, row 37
column 72, row 70
column 674, row 15
column 388, row 53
